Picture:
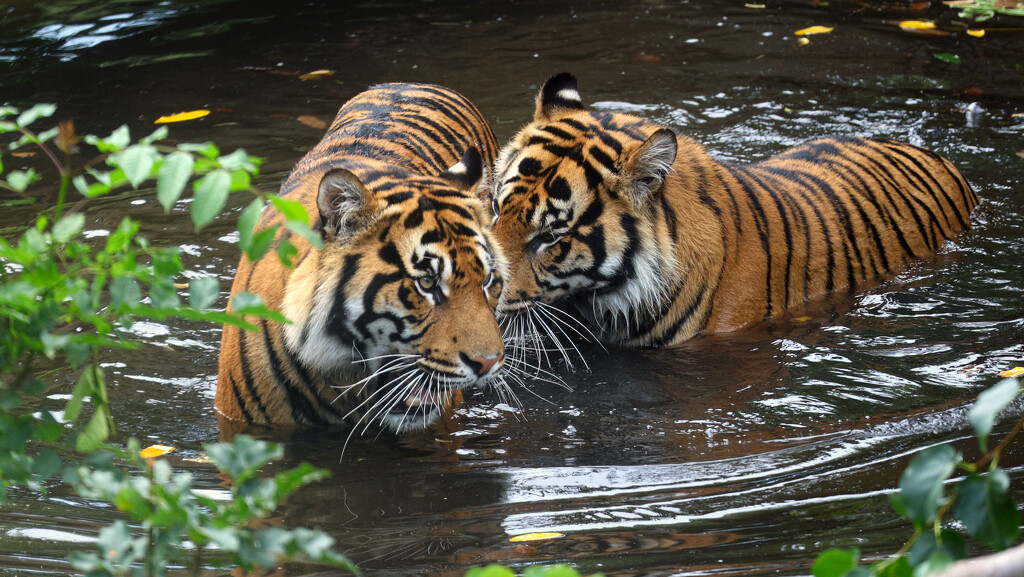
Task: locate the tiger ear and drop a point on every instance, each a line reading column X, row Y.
column 340, row 201
column 560, row 92
column 466, row 173
column 647, row 167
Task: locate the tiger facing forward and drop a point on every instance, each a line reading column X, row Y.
column 396, row 314
column 653, row 242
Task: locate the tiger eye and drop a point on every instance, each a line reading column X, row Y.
column 427, row 282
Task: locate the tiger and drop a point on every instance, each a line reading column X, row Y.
column 394, row 317
column 651, row 242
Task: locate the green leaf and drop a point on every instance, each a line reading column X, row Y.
column 285, row 252
column 558, row 570
column 211, row 192
column 47, row 135
column 203, row 291
column 238, row 160
column 118, row 140
column 226, row 538
column 988, row 406
column 7, row 126
column 68, row 227
column 835, row 562
column 291, row 209
column 490, row 571
column 207, row 150
column 302, row 229
column 129, row 500
column 115, row 541
column 172, row 178
column 84, row 387
column 929, row 554
column 898, row 568
column 922, row 483
column 125, row 293
column 95, row 432
column 158, row 134
column 137, row 162
column 36, row 112
column 988, row 512
column 243, row 456
column 261, row 242
column 46, row 463
column 20, row 180
column 247, row 222
column 947, row 57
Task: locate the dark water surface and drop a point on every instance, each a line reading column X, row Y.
column 743, row 454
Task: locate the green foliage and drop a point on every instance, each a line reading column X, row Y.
column 980, row 502
column 174, row 524
column 559, row 570
column 65, row 298
column 981, row 10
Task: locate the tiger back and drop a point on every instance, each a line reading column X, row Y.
column 652, row 241
column 379, row 332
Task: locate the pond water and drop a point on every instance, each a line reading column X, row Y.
column 740, row 454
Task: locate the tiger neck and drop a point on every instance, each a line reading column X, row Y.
column 672, row 288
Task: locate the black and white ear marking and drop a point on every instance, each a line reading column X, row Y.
column 466, row 173
column 340, row 198
column 559, row 92
column 651, row 163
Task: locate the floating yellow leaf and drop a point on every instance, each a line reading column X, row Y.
column 976, row 33
column 317, row 74
column 814, row 30
column 1015, row 371
column 802, row 319
column 803, row 41
column 153, row 451
column 757, row 6
column 182, row 116
column 916, row 25
column 534, row 537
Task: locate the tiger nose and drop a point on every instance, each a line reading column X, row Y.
column 482, row 365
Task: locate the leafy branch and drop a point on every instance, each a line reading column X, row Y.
column 65, row 298
column 980, row 501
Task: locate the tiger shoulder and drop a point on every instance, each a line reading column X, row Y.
column 652, row 241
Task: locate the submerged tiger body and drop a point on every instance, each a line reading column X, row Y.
column 396, row 314
column 652, row 241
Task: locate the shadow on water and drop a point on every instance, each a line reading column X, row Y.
column 737, row 454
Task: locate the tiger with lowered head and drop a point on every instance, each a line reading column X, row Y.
column 395, row 316
column 650, row 240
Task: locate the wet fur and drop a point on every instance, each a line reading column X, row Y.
column 652, row 241
column 395, row 188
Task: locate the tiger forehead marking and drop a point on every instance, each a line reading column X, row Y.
column 396, row 314
column 641, row 233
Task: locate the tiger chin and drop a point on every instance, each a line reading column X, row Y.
column 642, row 234
column 394, row 317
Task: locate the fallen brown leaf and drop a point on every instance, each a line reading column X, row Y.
column 312, row 122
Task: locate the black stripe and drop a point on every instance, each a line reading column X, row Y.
column 301, row 409
column 786, row 230
column 762, row 232
column 239, row 399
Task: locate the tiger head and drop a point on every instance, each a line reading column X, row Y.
column 572, row 201
column 405, row 288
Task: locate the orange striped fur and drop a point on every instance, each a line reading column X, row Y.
column 649, row 239
column 379, row 334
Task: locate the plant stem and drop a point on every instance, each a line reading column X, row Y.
column 993, row 455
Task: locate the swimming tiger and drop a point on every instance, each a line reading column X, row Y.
column 652, row 241
column 395, row 315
